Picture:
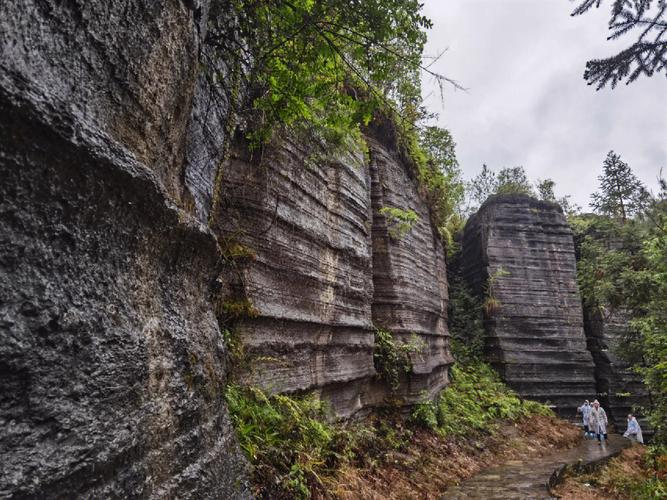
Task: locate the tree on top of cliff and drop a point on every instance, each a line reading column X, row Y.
column 646, row 56
column 513, row 180
column 545, row 191
column 326, row 64
column 509, row 180
column 621, row 194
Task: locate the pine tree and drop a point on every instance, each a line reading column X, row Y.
column 620, row 193
column 647, row 56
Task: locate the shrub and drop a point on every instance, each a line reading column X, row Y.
column 473, row 402
column 287, row 439
column 392, row 358
column 399, row 221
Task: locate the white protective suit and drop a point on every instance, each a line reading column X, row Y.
column 597, row 420
column 585, row 411
column 634, row 431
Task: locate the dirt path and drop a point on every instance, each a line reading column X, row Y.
column 517, row 480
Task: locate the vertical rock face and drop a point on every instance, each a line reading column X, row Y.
column 519, row 252
column 111, row 359
column 620, row 389
column 128, row 67
column 409, row 274
column 303, row 229
column 319, row 268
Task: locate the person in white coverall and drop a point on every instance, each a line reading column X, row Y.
column 585, row 411
column 634, row 431
column 597, row 421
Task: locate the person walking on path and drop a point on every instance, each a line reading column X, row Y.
column 634, row 431
column 585, row 411
column 597, row 421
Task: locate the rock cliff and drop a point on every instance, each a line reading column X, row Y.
column 317, row 270
column 519, row 253
column 111, row 359
column 124, row 246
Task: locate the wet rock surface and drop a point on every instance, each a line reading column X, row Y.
column 531, row 479
column 303, row 235
column 520, row 252
column 111, row 359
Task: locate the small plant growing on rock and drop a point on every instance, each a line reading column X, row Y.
column 399, row 221
column 393, row 358
column 491, row 303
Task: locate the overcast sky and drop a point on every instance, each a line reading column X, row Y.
column 527, row 103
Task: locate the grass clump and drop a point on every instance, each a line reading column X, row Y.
column 399, row 221
column 474, row 402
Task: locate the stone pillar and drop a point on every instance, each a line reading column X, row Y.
column 518, row 253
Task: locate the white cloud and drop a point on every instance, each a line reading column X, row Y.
column 527, row 104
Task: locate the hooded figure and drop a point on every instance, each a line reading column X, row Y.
column 585, row 411
column 634, row 431
column 597, row 421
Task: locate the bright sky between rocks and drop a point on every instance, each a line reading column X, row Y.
column 527, row 103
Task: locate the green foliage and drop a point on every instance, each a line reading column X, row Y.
column 327, row 64
column 393, row 358
column 545, row 192
column 646, row 56
column 235, row 348
column 509, row 180
column 473, row 402
column 652, row 325
column 622, row 265
column 491, row 303
column 465, row 321
column 513, row 180
column 621, row 194
column 295, row 447
column 399, row 221
column 441, row 182
column 239, row 308
column 287, row 439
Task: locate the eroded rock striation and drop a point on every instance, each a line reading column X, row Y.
column 134, row 222
column 112, row 363
column 620, row 388
column 518, row 253
column 312, row 262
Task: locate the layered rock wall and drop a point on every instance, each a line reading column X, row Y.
column 519, row 254
column 318, row 270
column 409, row 272
column 620, row 388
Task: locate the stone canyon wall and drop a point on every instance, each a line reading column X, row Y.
column 111, row 360
column 316, row 269
column 134, row 223
column 518, row 253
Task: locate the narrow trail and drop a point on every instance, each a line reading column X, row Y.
column 520, row 480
